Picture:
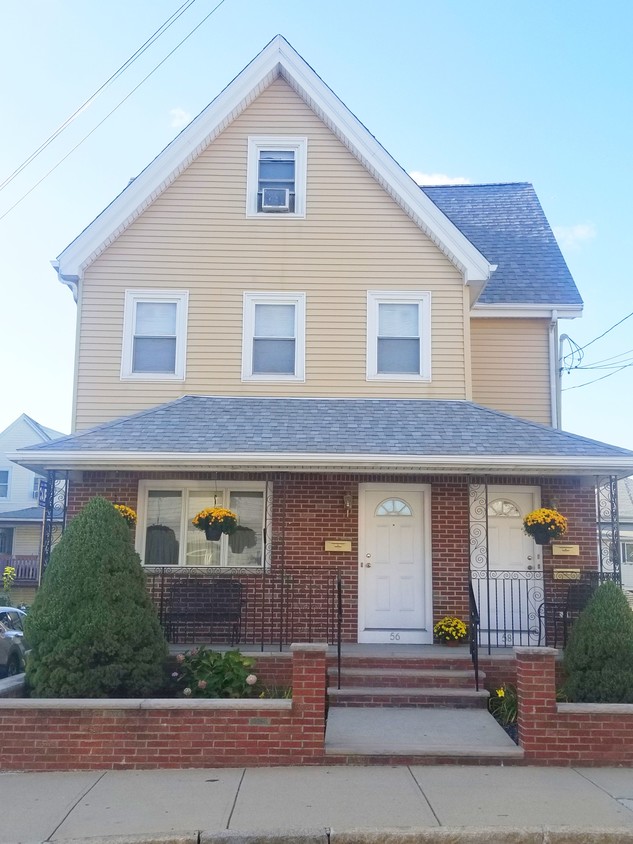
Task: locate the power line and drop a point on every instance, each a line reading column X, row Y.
column 110, row 113
column 600, row 336
column 595, row 380
column 85, row 105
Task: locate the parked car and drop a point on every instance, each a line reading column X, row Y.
column 13, row 646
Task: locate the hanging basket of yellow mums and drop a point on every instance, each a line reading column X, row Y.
column 543, row 525
column 128, row 514
column 215, row 521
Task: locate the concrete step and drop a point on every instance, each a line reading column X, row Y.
column 394, row 696
column 423, row 736
column 455, row 659
column 412, row 678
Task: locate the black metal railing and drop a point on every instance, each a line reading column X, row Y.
column 473, row 633
column 245, row 606
column 339, row 626
column 508, row 603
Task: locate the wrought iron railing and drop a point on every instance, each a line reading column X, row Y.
column 473, row 633
column 508, row 603
column 27, row 568
column 245, row 606
column 339, row 626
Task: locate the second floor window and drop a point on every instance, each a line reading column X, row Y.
column 154, row 335
column 4, row 483
column 273, row 337
column 399, row 335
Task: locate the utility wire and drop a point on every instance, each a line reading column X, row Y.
column 110, row 113
column 595, row 380
column 85, row 105
column 600, row 336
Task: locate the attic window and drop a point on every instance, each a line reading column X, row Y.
column 276, row 176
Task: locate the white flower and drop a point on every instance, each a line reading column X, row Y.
column 186, row 692
column 174, row 674
column 251, row 680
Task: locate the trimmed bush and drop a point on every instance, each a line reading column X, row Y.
column 598, row 659
column 92, row 627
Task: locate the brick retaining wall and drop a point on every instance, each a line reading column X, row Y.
column 58, row 735
column 570, row 733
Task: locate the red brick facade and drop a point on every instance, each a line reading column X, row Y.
column 308, row 509
column 131, row 734
column 567, row 734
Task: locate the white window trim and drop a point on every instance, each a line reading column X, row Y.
column 299, row 146
column 7, row 469
column 419, row 297
column 144, row 486
column 132, row 297
column 248, row 331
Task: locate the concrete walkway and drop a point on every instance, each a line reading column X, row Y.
column 390, row 731
column 490, row 804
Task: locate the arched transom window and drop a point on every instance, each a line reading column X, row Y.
column 393, row 507
column 503, row 507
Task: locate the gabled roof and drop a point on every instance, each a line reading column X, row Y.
column 507, row 224
column 42, row 432
column 277, row 59
column 368, row 434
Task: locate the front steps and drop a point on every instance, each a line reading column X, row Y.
column 406, row 683
column 410, row 709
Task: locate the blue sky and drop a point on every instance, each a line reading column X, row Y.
column 483, row 92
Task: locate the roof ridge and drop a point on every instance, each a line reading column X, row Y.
column 482, row 185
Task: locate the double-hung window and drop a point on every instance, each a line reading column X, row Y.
column 276, row 176
column 273, row 347
column 165, row 535
column 4, row 483
column 399, row 335
column 154, row 335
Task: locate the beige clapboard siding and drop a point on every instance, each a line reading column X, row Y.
column 196, row 237
column 27, row 540
column 510, row 366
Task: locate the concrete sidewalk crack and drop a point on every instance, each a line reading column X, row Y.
column 426, row 799
column 237, row 794
column 75, row 804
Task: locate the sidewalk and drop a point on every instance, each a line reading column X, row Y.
column 328, row 802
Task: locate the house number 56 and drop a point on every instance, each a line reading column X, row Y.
column 394, row 637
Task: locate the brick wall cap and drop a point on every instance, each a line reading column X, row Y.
column 535, row 651
column 249, row 704
column 310, row 647
column 595, row 708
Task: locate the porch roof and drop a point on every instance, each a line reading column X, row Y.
column 370, row 435
column 28, row 514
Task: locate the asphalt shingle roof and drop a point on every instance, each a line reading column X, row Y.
column 29, row 514
column 507, row 224
column 225, row 425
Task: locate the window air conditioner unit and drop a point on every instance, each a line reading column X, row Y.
column 275, row 199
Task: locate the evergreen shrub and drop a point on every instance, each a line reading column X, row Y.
column 93, row 629
column 598, row 659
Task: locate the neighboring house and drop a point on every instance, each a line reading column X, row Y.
column 274, row 317
column 20, row 514
column 625, row 515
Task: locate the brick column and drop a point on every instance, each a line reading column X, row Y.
column 309, row 687
column 536, row 693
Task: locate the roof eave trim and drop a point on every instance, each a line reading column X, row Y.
column 278, row 58
column 148, row 461
column 526, row 309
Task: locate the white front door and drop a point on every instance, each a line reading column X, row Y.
column 395, row 564
column 510, row 596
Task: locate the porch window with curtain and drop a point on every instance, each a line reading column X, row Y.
column 167, row 537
